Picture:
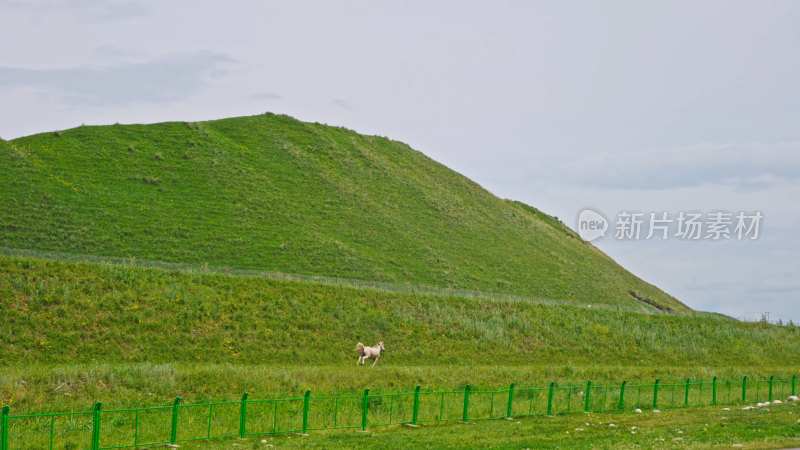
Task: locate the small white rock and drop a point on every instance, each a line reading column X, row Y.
column 587, row 424
column 678, row 439
column 634, row 427
column 263, row 441
column 578, row 429
column 611, row 425
column 776, row 402
column 793, row 398
column 638, row 410
column 655, row 411
column 726, row 409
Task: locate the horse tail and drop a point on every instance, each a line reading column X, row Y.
column 360, row 347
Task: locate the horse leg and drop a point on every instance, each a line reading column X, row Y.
column 358, row 363
column 376, row 360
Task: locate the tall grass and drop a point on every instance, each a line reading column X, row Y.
column 141, row 327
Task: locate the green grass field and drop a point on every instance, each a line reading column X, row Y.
column 112, row 332
column 765, row 428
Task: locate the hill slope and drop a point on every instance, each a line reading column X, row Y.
column 273, row 193
column 113, row 314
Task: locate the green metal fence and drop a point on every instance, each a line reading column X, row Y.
column 135, row 427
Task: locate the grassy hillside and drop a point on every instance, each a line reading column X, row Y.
column 270, row 192
column 74, row 333
column 76, row 312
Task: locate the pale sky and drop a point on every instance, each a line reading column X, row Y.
column 619, row 106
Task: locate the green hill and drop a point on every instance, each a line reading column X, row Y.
column 273, row 193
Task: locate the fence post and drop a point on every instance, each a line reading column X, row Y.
column 96, row 426
column 550, row 398
column 686, row 399
column 655, row 394
column 714, row 391
column 622, row 394
column 794, row 378
column 770, row 387
column 744, row 389
column 510, row 399
column 243, row 416
column 173, row 433
column 4, row 429
column 588, row 390
column 305, row 410
column 415, row 415
column 465, row 416
column 364, row 406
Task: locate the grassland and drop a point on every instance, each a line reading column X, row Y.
column 77, row 332
column 766, row 428
column 272, row 193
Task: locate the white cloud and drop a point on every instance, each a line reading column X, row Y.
column 745, row 166
column 166, row 79
column 79, row 10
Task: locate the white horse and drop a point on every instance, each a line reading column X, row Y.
column 369, row 353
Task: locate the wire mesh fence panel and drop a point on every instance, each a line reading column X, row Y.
column 340, row 412
column 529, row 402
column 568, row 399
column 441, row 406
column 782, row 389
column 290, row 415
column 702, row 393
column 153, row 425
column 209, row 420
column 222, row 419
column 323, row 413
column 670, row 395
column 485, row 405
column 729, row 392
column 119, row 428
column 262, row 417
column 757, row 390
column 390, row 409
column 639, row 396
column 604, row 398
column 62, row 431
